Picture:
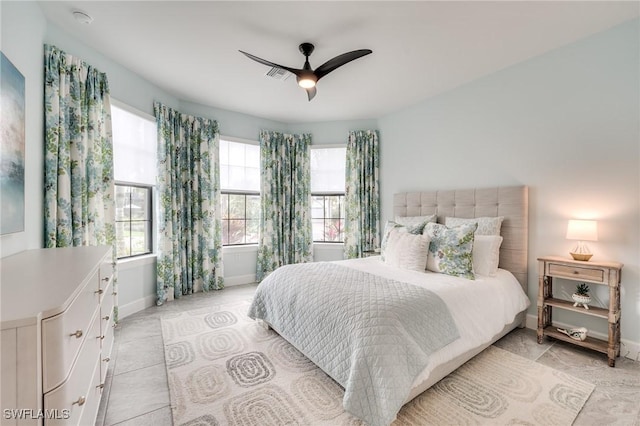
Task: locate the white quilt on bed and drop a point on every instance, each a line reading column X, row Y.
column 372, row 334
column 480, row 308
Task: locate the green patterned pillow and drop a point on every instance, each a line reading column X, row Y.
column 486, row 225
column 450, row 250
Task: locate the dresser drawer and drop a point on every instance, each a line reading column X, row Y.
column 60, row 345
column 94, row 393
column 79, row 386
column 576, row 272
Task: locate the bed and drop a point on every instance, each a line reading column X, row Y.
column 384, row 357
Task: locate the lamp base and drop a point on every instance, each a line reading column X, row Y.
column 581, row 256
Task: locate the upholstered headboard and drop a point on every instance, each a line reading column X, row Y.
column 511, row 202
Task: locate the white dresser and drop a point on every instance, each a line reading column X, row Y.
column 56, row 330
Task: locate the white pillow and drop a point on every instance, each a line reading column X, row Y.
column 388, row 227
column 486, row 225
column 407, row 251
column 486, row 254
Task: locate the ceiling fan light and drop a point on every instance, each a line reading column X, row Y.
column 306, row 83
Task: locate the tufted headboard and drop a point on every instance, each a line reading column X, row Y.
column 512, row 202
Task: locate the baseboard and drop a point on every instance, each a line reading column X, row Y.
column 136, row 306
column 629, row 348
column 239, row 280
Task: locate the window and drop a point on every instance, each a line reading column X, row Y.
column 327, row 194
column 133, row 220
column 240, row 192
column 134, row 161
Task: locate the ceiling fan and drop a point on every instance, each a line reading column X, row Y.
column 307, row 77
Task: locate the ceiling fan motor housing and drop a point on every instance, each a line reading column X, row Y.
column 306, row 48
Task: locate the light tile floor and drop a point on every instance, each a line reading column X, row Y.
column 136, row 391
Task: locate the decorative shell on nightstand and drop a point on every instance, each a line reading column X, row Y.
column 579, row 333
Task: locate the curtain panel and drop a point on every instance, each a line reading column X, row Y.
column 79, row 205
column 189, row 223
column 79, row 201
column 362, row 194
column 285, row 222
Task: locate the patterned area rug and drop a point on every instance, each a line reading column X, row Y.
column 226, row 369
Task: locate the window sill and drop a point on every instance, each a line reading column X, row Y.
column 134, row 262
column 328, row 246
column 246, row 248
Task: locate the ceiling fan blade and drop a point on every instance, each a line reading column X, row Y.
column 269, row 64
column 339, row 61
column 311, row 92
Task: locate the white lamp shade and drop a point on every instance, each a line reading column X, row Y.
column 582, row 230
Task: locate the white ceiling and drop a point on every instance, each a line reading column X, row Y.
column 420, row 49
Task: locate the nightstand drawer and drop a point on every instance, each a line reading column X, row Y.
column 576, row 272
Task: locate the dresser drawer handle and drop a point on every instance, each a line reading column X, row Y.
column 115, row 293
column 100, row 337
column 576, row 272
column 78, row 334
column 106, row 318
column 100, row 386
column 80, row 401
column 107, row 359
column 105, row 279
column 99, row 291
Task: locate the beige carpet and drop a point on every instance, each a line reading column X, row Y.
column 225, row 369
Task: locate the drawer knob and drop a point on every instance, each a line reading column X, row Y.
column 105, row 279
column 99, row 291
column 107, row 359
column 576, row 272
column 115, row 293
column 80, row 401
column 78, row 334
column 100, row 337
column 100, row 386
column 106, row 318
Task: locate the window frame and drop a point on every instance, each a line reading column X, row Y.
column 329, row 193
column 324, row 218
column 244, row 219
column 150, row 215
column 239, row 192
column 152, row 194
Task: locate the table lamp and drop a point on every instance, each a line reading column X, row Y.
column 582, row 230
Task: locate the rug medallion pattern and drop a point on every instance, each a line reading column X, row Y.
column 226, row 369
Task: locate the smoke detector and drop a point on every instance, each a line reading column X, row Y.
column 82, row 17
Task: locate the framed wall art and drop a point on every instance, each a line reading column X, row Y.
column 12, row 147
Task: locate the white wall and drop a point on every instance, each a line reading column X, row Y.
column 567, row 125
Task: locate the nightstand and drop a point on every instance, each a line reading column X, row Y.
column 603, row 273
column 369, row 253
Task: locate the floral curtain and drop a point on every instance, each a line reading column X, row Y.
column 79, row 207
column 362, row 194
column 285, row 223
column 189, row 225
